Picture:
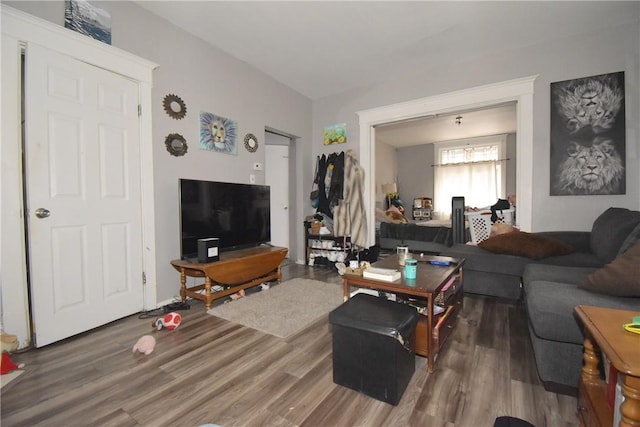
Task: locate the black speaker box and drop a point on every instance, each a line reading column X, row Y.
column 208, row 250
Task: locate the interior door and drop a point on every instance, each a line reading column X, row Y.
column 82, row 183
column 277, row 176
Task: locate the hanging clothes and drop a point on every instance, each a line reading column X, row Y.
column 322, row 193
column 330, row 182
column 350, row 218
column 337, row 181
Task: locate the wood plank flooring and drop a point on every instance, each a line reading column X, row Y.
column 212, row 371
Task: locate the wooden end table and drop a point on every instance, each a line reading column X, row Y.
column 603, row 330
column 431, row 330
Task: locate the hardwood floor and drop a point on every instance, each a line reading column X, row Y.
column 212, row 371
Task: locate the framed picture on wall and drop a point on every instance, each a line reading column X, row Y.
column 588, row 149
column 217, row 133
column 83, row 17
column 335, row 134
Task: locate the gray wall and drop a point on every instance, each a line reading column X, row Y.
column 207, row 80
column 387, row 169
column 415, row 174
column 616, row 49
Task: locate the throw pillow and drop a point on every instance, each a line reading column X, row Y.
column 610, row 230
column 631, row 239
column 526, row 244
column 621, row 277
column 395, row 217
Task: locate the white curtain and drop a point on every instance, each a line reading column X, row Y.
column 477, row 182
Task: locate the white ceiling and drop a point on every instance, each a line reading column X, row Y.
column 491, row 121
column 320, row 48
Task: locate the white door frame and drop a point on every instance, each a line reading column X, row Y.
column 519, row 90
column 18, row 31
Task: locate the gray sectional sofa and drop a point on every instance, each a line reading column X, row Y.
column 549, row 288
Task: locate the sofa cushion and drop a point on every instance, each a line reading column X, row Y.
column 526, row 244
column 620, row 277
column 576, row 259
column 479, row 259
column 610, row 230
column 550, row 307
column 555, row 273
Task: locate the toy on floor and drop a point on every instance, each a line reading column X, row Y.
column 145, row 345
column 7, row 365
column 170, row 321
column 238, row 295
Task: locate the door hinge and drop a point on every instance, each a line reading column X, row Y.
column 139, row 110
column 144, row 278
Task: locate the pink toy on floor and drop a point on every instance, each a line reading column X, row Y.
column 145, row 344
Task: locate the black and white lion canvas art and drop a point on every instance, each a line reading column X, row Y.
column 588, row 136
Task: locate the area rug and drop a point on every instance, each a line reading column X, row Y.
column 284, row 309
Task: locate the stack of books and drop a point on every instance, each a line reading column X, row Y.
column 384, row 274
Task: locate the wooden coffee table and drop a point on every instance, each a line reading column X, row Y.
column 431, row 330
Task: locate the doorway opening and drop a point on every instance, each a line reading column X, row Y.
column 280, row 170
column 518, row 90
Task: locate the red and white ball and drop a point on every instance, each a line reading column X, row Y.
column 170, row 321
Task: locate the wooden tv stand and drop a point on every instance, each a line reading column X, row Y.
column 236, row 270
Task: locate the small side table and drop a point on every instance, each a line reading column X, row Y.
column 603, row 330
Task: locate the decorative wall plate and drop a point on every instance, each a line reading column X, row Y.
column 250, row 142
column 176, row 144
column 174, row 106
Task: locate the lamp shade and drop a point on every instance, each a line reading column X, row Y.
column 389, row 188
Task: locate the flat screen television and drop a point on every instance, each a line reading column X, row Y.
column 237, row 214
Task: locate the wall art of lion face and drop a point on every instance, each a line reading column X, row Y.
column 588, row 136
column 217, row 133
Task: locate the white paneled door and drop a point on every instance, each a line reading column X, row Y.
column 277, row 177
column 83, row 195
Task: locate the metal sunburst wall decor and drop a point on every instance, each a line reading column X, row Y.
column 174, row 106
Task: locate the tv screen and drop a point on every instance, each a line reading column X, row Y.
column 237, row 214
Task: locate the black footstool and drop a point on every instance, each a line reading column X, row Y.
column 371, row 351
column 511, row 422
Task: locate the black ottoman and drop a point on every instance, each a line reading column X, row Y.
column 371, row 351
column 511, row 422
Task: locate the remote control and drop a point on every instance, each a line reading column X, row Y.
column 439, row 262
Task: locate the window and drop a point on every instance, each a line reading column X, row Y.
column 471, row 168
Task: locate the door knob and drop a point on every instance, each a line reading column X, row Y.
column 42, row 213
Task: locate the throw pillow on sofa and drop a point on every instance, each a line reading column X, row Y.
column 631, row 239
column 621, row 277
column 526, row 244
column 610, row 230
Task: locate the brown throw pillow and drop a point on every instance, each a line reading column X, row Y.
column 621, row 277
column 526, row 244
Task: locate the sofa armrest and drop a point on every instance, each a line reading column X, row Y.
column 580, row 240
